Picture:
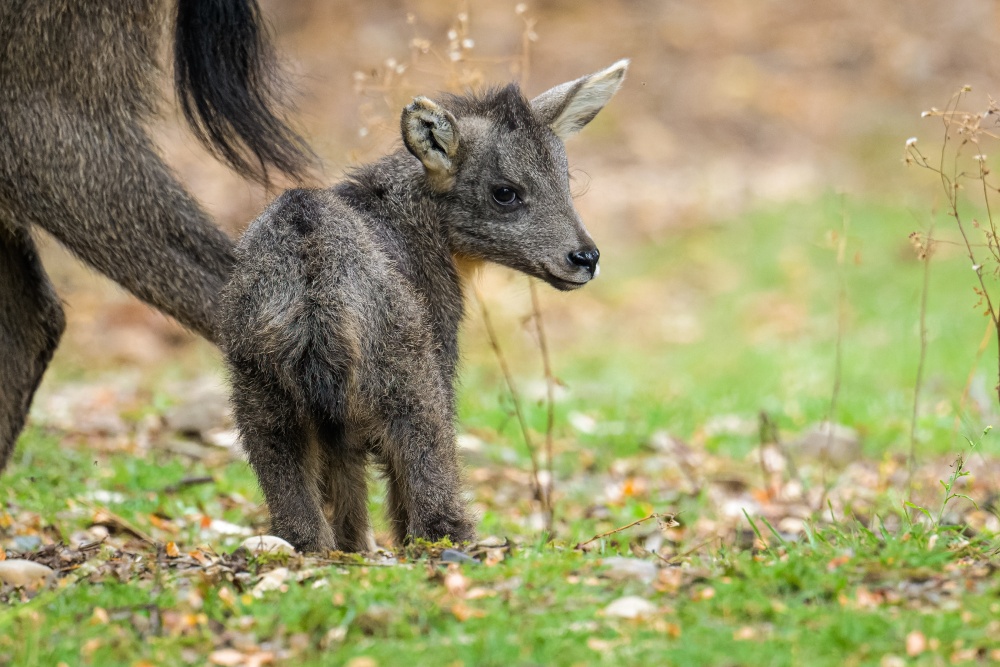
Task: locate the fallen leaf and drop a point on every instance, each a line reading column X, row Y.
column 165, row 525
column 226, row 657
column 361, row 661
column 464, row 612
column 456, row 583
column 705, row 593
column 90, row 646
column 479, row 593
column 837, row 562
column 603, row 645
column 669, row 579
column 916, row 643
column 171, row 550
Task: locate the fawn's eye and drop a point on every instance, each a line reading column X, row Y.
column 505, row 196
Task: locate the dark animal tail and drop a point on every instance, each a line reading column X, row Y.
column 223, row 68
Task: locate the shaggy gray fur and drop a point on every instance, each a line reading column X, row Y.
column 341, row 317
column 77, row 84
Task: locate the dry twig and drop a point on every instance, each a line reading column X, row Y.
column 667, row 519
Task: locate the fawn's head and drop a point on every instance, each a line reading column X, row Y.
column 501, row 162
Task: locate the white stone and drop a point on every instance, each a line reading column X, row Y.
column 620, row 567
column 267, row 544
column 630, row 606
column 271, row 581
column 18, row 572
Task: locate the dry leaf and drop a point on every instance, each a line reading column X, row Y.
column 916, row 643
column 226, row 657
column 706, row 593
column 361, row 661
column 464, row 612
column 455, row 582
column 479, row 592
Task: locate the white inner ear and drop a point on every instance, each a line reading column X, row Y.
column 588, row 99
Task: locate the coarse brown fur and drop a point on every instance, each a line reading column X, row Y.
column 77, row 85
column 340, row 321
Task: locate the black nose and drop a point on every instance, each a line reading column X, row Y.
column 586, row 258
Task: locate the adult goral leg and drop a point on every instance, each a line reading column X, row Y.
column 105, row 194
column 31, row 323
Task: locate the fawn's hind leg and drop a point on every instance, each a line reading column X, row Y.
column 345, row 490
column 286, row 456
column 31, row 323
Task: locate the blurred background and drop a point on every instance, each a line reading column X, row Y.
column 728, row 105
column 746, row 188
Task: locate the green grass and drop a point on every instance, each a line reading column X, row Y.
column 845, row 594
column 764, row 291
column 759, row 296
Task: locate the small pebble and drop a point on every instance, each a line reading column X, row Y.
column 22, row 573
column 267, row 544
column 454, row 556
column 630, row 606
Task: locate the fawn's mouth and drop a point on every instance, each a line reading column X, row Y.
column 562, row 284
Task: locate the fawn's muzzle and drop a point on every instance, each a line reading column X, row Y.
column 586, row 259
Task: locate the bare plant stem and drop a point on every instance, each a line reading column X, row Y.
column 514, row 395
column 550, row 403
column 983, row 344
column 611, row 532
column 838, row 355
column 918, row 382
column 969, row 131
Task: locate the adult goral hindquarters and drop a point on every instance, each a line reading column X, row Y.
column 77, row 85
column 340, row 319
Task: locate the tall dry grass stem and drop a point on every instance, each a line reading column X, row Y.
column 924, row 255
column 965, row 130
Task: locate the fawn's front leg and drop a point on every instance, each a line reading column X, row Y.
column 421, row 468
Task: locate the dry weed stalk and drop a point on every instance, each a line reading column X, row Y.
column 550, row 403
column 541, row 491
column 963, row 136
column 923, row 246
column 839, row 241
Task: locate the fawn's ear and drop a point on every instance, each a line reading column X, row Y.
column 569, row 106
column 431, row 134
